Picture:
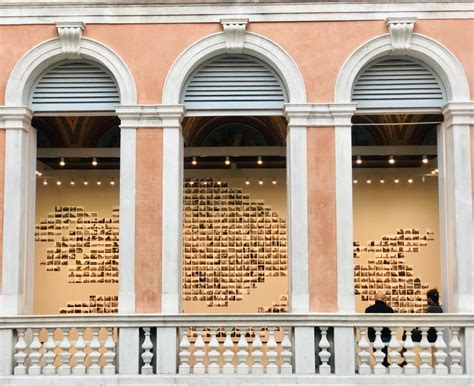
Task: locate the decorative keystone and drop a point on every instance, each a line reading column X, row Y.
column 70, row 37
column 234, row 33
column 400, row 30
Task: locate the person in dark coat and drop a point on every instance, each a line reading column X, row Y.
column 432, row 297
column 380, row 307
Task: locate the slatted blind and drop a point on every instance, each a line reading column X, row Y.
column 398, row 83
column 234, row 82
column 75, row 86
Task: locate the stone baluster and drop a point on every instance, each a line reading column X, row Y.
column 213, row 355
column 94, row 355
column 272, row 368
column 455, row 352
column 20, row 355
column 79, row 355
column 228, row 355
column 35, row 354
column 324, row 354
column 364, row 354
column 147, row 355
column 49, row 354
column 410, row 355
column 199, row 367
column 65, row 355
column 425, row 353
column 109, row 354
column 184, row 353
column 394, row 346
column 257, row 354
column 379, row 356
column 286, row 354
column 440, row 354
column 242, row 354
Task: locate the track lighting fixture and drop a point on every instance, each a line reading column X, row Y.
column 227, row 161
column 194, row 161
column 391, row 160
column 62, row 162
column 259, row 160
column 260, row 181
column 358, row 160
column 425, row 159
column 94, row 161
column 247, row 182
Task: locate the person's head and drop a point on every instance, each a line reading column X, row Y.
column 433, row 296
column 379, row 295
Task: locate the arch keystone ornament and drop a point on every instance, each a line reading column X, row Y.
column 70, row 35
column 401, row 29
column 234, row 33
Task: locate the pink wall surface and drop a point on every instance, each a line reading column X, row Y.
column 2, row 177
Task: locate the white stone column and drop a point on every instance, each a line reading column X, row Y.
column 18, row 211
column 128, row 154
column 342, row 114
column 454, row 144
column 297, row 204
column 172, row 207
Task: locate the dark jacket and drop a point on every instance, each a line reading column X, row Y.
column 379, row 307
column 433, row 309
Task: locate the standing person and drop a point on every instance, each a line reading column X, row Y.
column 380, row 307
column 432, row 297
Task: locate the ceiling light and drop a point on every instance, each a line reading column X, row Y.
column 391, row 160
column 227, row 161
column 58, row 182
column 260, row 181
column 72, row 182
column 62, row 162
column 382, row 181
column 425, row 159
column 433, row 171
column 274, row 181
column 259, row 160
column 99, row 182
column 86, row 182
column 436, row 170
column 247, row 182
column 410, row 180
column 369, row 181
column 423, row 179
column 204, row 182
column 355, row 181
column 219, row 182
column 396, row 180
column 194, row 161
column 94, row 161
column 358, row 160
column 112, row 182
column 45, row 182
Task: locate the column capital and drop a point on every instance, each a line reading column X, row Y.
column 319, row 114
column 15, row 118
column 159, row 116
column 458, row 113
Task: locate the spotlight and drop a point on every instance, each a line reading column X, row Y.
column 433, row 171
column 227, row 161
column 436, row 170
column 425, row 159
column 86, row 182
column 72, row 183
column 204, row 182
column 382, row 181
column 58, row 182
column 112, row 182
column 355, row 181
column 99, row 182
column 259, row 160
column 94, row 161
column 410, row 180
column 358, row 160
column 369, row 181
column 260, row 181
column 247, row 182
column 274, row 181
column 219, row 182
column 194, row 161
column 191, row 182
column 62, row 162
column 45, row 182
column 391, row 160
column 396, row 180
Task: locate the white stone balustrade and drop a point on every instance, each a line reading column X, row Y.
column 240, row 345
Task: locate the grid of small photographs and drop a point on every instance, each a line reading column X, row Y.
column 231, row 244
column 387, row 270
column 97, row 304
column 81, row 242
column 280, row 306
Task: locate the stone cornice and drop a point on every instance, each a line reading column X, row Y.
column 459, row 114
column 15, row 118
column 318, row 114
column 159, row 116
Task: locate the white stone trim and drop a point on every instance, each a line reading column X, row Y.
column 400, row 30
column 423, row 48
column 70, row 35
column 17, row 253
column 45, row 54
column 130, row 12
column 254, row 45
column 234, row 33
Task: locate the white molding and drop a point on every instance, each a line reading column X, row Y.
column 49, row 52
column 318, row 114
column 21, row 12
column 159, row 116
column 423, row 48
column 15, row 118
column 254, row 45
column 70, row 37
column 234, row 33
column 400, row 30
